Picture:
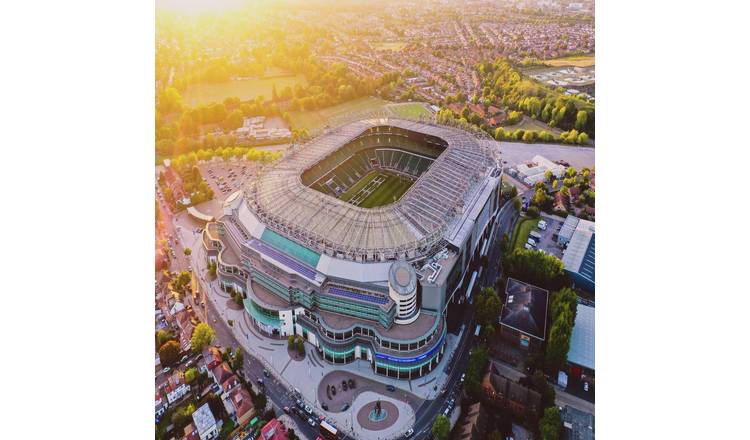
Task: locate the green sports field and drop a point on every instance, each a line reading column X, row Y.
column 377, row 188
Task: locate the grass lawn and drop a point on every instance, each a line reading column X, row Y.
column 577, row 61
column 359, row 185
column 410, row 109
column 388, row 192
column 532, row 124
column 199, row 94
column 521, row 232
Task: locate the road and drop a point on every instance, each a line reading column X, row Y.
column 517, row 152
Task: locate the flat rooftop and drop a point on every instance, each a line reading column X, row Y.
column 268, row 299
column 228, row 254
column 397, row 331
column 581, row 350
column 525, row 308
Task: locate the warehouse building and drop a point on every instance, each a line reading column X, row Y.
column 581, row 352
column 579, row 256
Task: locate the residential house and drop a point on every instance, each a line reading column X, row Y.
column 190, row 433
column 239, row 405
column 274, row 430
column 205, row 423
column 212, row 357
column 522, row 402
column 161, row 405
column 473, row 425
column 224, row 377
column 176, row 387
column 186, row 327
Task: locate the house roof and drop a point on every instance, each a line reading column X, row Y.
column 222, row 373
column 203, row 418
column 274, row 430
column 525, row 308
column 581, row 350
column 241, row 400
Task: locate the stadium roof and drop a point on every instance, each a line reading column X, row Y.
column 582, row 340
column 579, row 256
column 408, row 227
column 525, row 308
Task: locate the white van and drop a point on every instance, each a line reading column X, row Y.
column 542, row 225
column 531, row 242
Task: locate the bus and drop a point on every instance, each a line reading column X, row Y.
column 471, row 286
column 328, row 431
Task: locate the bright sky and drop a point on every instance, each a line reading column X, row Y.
column 200, row 6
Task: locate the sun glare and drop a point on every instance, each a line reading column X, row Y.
column 195, row 7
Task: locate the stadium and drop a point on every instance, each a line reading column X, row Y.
column 361, row 238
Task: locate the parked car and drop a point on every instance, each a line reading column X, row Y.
column 345, row 407
column 409, row 433
column 390, row 388
column 542, row 225
column 351, row 383
column 343, row 385
column 531, row 241
column 308, row 409
column 266, row 373
column 166, row 370
column 463, row 376
column 286, row 409
column 312, row 423
column 585, row 386
column 324, row 406
column 528, row 246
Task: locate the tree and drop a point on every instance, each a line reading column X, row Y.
column 475, row 370
column 238, row 359
column 583, row 138
column 163, row 336
column 290, row 341
column 558, row 343
column 203, row 335
column 540, row 197
column 187, row 251
column 581, row 119
column 190, row 375
column 233, row 121
column 548, row 176
column 441, row 427
column 549, row 424
column 539, row 384
column 488, row 307
column 535, row 267
column 260, row 401
column 300, row 346
column 517, row 204
column 169, row 353
column 533, row 211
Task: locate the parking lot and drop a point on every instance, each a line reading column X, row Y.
column 548, row 237
column 227, row 177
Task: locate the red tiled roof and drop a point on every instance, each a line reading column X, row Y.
column 274, row 430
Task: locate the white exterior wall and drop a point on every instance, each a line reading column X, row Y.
column 287, row 322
